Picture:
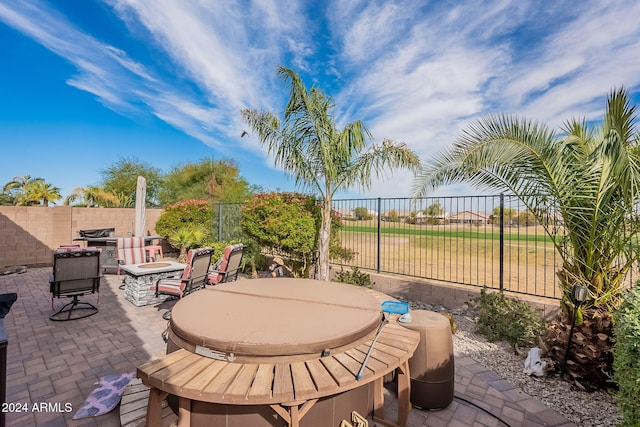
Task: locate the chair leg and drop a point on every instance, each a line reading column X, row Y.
column 74, row 306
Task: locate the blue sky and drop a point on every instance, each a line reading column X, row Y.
column 86, row 83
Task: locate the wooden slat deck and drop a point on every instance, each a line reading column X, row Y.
column 133, row 407
column 283, row 385
column 210, row 380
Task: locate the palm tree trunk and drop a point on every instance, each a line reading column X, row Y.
column 323, row 241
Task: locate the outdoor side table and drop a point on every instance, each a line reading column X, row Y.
column 432, row 364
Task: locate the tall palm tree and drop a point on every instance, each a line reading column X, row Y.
column 322, row 158
column 41, row 192
column 587, row 175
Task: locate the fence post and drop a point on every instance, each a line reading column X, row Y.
column 379, row 225
column 501, row 242
column 219, row 222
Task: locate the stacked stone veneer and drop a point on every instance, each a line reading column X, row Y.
column 28, row 234
column 140, row 290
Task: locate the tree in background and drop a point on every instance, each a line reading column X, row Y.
column 361, row 213
column 92, row 196
column 590, row 178
column 15, row 189
column 434, row 210
column 121, row 179
column 213, row 180
column 434, row 213
column 42, row 193
column 5, row 199
column 27, row 191
column 322, row 158
column 509, row 215
column 526, row 219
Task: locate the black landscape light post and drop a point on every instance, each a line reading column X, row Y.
column 578, row 296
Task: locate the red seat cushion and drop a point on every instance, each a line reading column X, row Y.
column 214, row 277
column 170, row 286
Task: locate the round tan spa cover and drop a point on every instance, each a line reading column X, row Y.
column 275, row 317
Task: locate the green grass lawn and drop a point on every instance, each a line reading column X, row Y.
column 457, row 253
column 451, row 231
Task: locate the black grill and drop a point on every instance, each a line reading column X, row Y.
column 97, row 232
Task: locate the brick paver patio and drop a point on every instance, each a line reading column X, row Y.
column 58, row 363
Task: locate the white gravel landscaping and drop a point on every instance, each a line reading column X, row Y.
column 596, row 409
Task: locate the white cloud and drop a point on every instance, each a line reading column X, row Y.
column 416, row 72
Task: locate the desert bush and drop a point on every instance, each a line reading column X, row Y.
column 252, row 258
column 505, row 319
column 288, row 224
column 185, row 237
column 284, row 223
column 626, row 356
column 191, row 212
column 354, row 277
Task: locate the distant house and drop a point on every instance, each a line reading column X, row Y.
column 468, row 217
column 395, row 214
column 345, row 213
column 404, row 215
column 356, row 213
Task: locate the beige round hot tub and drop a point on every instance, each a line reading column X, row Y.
column 275, row 352
column 274, row 319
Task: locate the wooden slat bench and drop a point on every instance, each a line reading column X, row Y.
column 290, row 389
column 133, row 407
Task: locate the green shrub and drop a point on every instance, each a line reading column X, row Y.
column 252, row 259
column 284, row 223
column 288, row 224
column 354, row 277
column 626, row 356
column 185, row 237
column 193, row 212
column 505, row 319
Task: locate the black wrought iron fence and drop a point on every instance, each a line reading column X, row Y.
column 488, row 241
column 491, row 241
column 226, row 221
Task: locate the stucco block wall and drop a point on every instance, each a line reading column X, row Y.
column 28, row 235
column 450, row 295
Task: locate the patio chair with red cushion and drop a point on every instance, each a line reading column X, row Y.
column 194, row 277
column 130, row 250
column 226, row 269
column 76, row 272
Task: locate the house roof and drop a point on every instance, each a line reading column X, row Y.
column 468, row 215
